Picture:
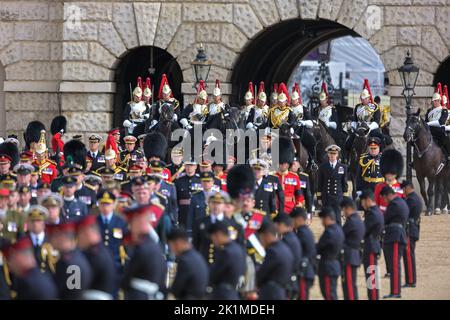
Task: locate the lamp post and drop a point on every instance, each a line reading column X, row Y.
column 201, row 65
column 409, row 74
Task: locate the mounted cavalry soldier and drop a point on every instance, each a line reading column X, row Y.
column 436, row 118
column 196, row 112
column 327, row 113
column 136, row 110
column 217, row 106
column 274, row 96
column 249, row 99
column 366, row 116
column 258, row 115
column 303, row 120
column 281, row 113
column 165, row 100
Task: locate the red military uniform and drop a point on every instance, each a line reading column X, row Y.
column 293, row 195
column 379, row 200
column 223, row 181
column 47, row 170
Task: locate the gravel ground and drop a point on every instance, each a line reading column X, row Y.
column 432, row 258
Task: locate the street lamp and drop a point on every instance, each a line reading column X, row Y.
column 201, row 65
column 409, row 74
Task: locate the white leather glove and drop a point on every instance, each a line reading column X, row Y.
column 434, row 123
column 332, row 125
column 358, row 193
column 175, row 117
column 308, row 123
column 373, row 126
column 184, row 122
column 354, row 125
column 301, row 122
column 154, row 122
column 447, row 128
column 249, row 126
column 292, row 130
column 146, row 116
column 127, row 123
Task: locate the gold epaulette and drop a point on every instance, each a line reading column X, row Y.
column 160, row 194
column 259, row 211
column 304, row 174
column 87, row 185
column 51, row 161
column 196, row 192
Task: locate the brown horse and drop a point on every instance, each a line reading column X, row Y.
column 300, row 151
column 323, row 139
column 428, row 162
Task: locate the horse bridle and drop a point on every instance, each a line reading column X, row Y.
column 414, row 139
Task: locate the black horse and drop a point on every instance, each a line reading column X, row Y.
column 428, row 162
column 358, row 148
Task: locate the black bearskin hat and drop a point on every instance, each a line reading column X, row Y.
column 286, row 150
column 10, row 149
column 33, row 132
column 240, row 180
column 58, row 123
column 75, row 153
column 391, row 162
column 155, row 145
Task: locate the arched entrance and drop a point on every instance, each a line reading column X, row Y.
column 2, row 102
column 144, row 62
column 443, row 73
column 273, row 55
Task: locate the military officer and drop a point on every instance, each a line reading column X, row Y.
column 281, row 113
column 5, row 165
column 83, row 192
column 110, row 163
column 54, row 203
column 62, row 237
column 176, row 166
column 249, row 102
column 24, row 198
column 43, row 251
column 196, row 112
column 135, row 109
column 329, row 248
column 274, row 96
column 217, row 106
column 206, row 166
column 374, row 224
column 104, row 275
column 369, row 173
column 289, row 181
column 73, row 208
column 275, row 273
column 305, row 184
column 23, row 174
column 332, row 181
column 133, row 172
column 258, row 115
column 265, row 199
column 29, row 282
column 47, row 167
column 12, row 221
column 144, row 278
column 285, row 229
column 129, row 155
column 192, row 275
column 354, row 233
column 278, row 190
column 98, row 159
column 395, row 219
column 200, row 236
column 198, row 205
column 229, row 265
column 412, row 232
column 113, row 228
column 308, row 261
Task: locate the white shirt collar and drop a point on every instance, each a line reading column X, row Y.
column 107, row 216
column 38, row 239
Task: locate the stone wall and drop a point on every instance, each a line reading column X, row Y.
column 60, row 56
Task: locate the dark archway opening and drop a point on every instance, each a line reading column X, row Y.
column 443, row 73
column 137, row 63
column 273, row 55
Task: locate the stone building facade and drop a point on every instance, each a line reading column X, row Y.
column 60, row 57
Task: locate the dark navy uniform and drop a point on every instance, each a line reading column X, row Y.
column 265, row 199
column 191, row 278
column 197, row 209
column 64, row 270
column 292, row 241
column 395, row 218
column 185, row 186
column 112, row 233
column 412, row 232
column 56, row 184
column 170, row 192
column 128, row 158
column 43, row 252
column 329, row 248
column 98, row 160
column 306, row 189
column 369, row 174
column 35, row 285
column 74, row 209
column 146, row 263
column 275, row 273
column 278, row 190
column 226, row 271
column 354, row 234
column 175, row 170
column 332, row 186
column 87, row 195
column 374, row 224
column 104, row 275
column 308, row 262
